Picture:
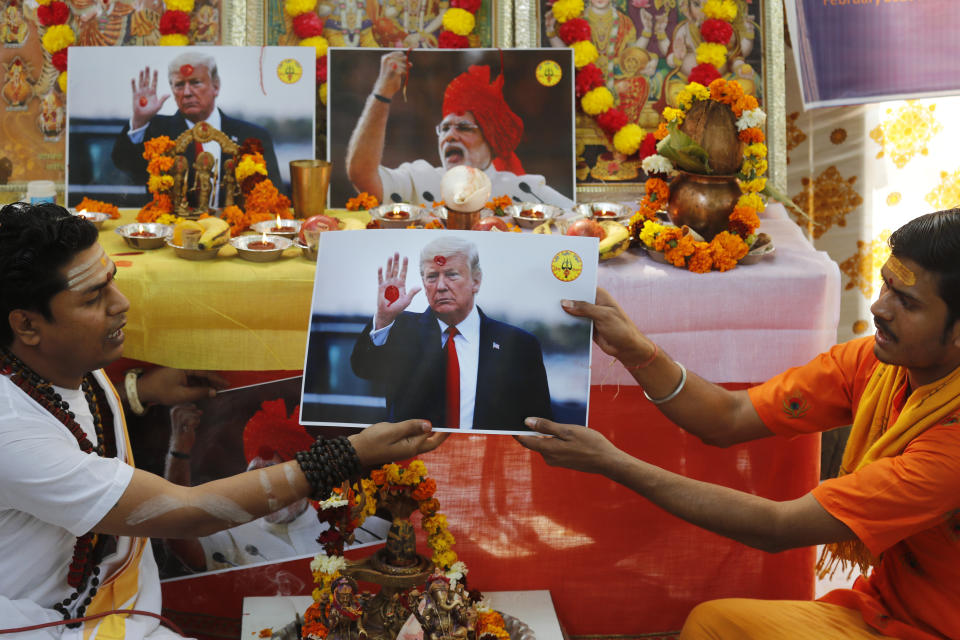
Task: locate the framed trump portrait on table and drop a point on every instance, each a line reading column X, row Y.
column 461, row 328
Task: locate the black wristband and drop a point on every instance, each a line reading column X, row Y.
column 383, row 99
column 179, row 454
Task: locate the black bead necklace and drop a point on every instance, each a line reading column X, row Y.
column 83, row 569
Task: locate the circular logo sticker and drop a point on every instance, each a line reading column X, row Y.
column 289, row 71
column 549, row 73
column 566, row 266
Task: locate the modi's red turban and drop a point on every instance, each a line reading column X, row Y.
column 502, row 128
column 270, row 432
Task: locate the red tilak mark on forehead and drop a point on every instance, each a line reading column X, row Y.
column 440, row 260
column 186, row 70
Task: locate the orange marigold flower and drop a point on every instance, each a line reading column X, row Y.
column 156, row 146
column 265, row 198
column 362, row 201
column 159, row 164
column 728, row 248
column 753, row 135
column 434, row 224
column 744, row 103
column 98, row 206
column 160, row 205
column 429, row 507
column 667, row 239
column 500, row 202
column 425, row 489
column 661, row 132
column 657, row 190
column 379, row 476
column 702, row 259
column 744, row 220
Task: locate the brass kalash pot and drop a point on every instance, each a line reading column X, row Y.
column 704, row 201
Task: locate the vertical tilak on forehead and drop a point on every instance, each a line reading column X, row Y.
column 80, row 274
column 904, row 274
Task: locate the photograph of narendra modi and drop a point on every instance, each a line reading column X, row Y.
column 398, row 120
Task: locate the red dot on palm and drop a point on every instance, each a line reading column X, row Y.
column 391, row 293
column 143, row 102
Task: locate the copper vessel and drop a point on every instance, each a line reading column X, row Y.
column 703, row 202
column 462, row 220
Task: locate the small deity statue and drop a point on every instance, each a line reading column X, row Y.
column 208, row 24
column 444, row 611
column 203, row 179
column 344, row 618
column 178, row 192
column 17, row 89
column 51, row 118
column 230, row 188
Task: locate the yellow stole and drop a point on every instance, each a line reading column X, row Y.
column 118, row 590
column 871, row 438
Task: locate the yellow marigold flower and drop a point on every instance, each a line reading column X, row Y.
column 435, row 523
column 691, row 92
column 758, row 150
column 57, row 37
column 752, row 200
column 670, row 114
column 159, row 183
column 711, row 53
column 584, row 52
column 460, row 21
column 62, row 82
column 564, row 10
column 393, row 473
column 179, row 5
column 650, row 231
column 445, row 559
column 174, row 40
column 628, row 139
column 317, row 42
column 417, row 468
column 167, row 218
column 725, row 10
column 250, row 164
column 322, row 92
column 44, row 2
column 294, row 8
column 753, row 186
column 596, row 101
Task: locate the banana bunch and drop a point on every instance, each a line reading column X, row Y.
column 216, row 231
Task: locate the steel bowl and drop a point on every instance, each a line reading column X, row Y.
column 604, row 211
column 159, row 238
column 529, row 214
column 94, row 217
column 193, row 254
column 242, row 245
column 288, row 228
column 397, row 216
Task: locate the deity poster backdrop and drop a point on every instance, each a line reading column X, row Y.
column 545, row 106
column 252, row 91
column 524, row 278
column 647, row 49
column 856, row 51
column 235, row 431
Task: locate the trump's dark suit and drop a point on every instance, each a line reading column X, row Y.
column 128, row 157
column 511, row 378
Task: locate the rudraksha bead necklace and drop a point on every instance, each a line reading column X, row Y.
column 83, row 567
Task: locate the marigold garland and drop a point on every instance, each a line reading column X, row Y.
column 706, row 83
column 595, row 99
column 57, row 36
column 98, row 206
column 459, row 21
column 363, row 200
column 174, row 24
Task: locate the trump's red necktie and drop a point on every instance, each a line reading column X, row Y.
column 453, row 381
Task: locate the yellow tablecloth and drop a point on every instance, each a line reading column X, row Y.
column 224, row 314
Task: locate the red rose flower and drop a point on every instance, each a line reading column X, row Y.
column 716, row 31
column 54, row 13
column 467, row 5
column 648, row 147
column 321, row 70
column 574, row 30
column 588, row 77
column 172, row 22
column 703, row 73
column 307, row 25
column 450, row 40
column 59, row 59
column 612, row 120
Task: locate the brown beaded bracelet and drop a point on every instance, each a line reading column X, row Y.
column 327, row 463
